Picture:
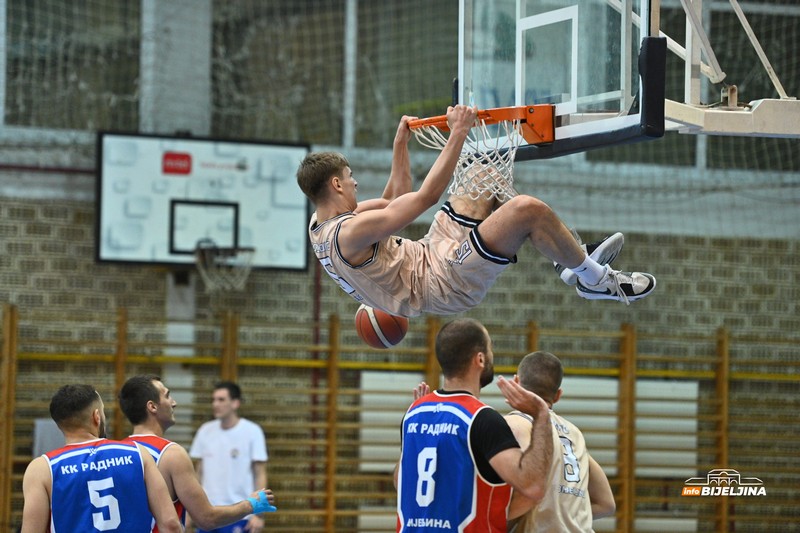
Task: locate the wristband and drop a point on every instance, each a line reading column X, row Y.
column 261, row 505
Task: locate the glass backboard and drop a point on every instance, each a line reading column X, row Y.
column 592, row 59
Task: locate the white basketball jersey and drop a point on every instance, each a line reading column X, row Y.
column 566, row 506
column 446, row 272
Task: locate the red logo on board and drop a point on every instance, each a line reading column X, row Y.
column 176, row 163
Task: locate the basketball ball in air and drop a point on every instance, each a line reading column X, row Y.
column 379, row 329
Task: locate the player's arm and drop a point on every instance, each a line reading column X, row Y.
column 400, row 180
column 422, row 389
column 600, row 493
column 198, row 472
column 371, row 226
column 396, row 473
column 158, row 498
column 255, row 523
column 520, row 504
column 198, row 468
column 176, row 464
column 259, row 474
column 35, row 489
column 521, row 428
column 527, row 470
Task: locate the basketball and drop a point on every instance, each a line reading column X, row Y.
column 379, row 329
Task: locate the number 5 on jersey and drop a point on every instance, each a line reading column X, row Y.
column 107, row 502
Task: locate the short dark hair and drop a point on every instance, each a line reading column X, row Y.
column 457, row 342
column 135, row 394
column 68, row 405
column 315, row 171
column 233, row 389
column 541, row 372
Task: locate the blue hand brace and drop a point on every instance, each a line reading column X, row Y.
column 261, row 505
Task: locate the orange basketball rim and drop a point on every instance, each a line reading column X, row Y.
column 537, row 122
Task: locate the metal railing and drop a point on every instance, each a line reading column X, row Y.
column 303, row 385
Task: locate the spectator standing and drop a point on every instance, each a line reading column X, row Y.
column 230, row 454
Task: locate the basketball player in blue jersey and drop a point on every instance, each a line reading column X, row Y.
column 148, row 405
column 469, row 244
column 460, row 464
column 94, row 484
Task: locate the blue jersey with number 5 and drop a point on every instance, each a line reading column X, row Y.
column 439, row 486
column 98, row 486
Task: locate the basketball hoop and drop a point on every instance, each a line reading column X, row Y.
column 223, row 268
column 486, row 164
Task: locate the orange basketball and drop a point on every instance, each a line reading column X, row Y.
column 379, row 329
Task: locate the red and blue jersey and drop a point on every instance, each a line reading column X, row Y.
column 440, row 487
column 156, row 445
column 98, row 486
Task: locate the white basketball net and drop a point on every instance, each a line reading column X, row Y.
column 223, row 269
column 486, row 165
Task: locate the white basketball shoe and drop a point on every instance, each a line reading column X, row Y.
column 603, row 251
column 621, row 286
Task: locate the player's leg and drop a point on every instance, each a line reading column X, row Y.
column 477, row 209
column 509, row 223
column 526, row 218
column 603, row 251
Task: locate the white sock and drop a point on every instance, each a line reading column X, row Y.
column 590, row 271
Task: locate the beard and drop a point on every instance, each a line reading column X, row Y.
column 102, row 429
column 487, row 376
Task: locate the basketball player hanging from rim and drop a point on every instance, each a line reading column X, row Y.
column 470, row 242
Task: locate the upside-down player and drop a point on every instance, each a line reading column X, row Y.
column 468, row 245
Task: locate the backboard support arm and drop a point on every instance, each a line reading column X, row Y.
column 696, row 23
column 759, row 118
column 759, row 49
